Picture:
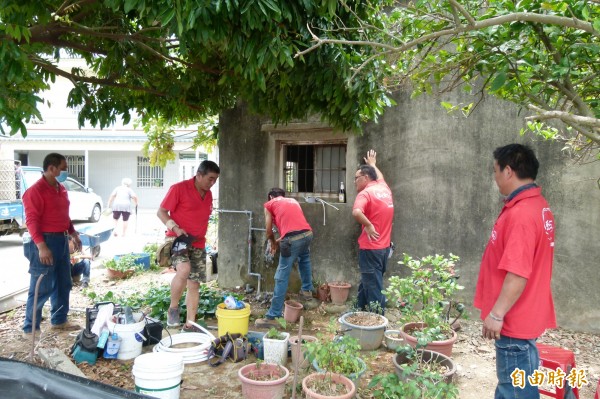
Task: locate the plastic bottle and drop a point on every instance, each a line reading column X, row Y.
column 128, row 315
column 342, row 193
column 112, row 346
column 230, row 302
column 103, row 338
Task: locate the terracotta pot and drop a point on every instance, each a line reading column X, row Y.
column 323, row 293
column 292, row 311
column 400, row 362
column 300, row 350
column 443, row 347
column 272, row 389
column 336, row 378
column 338, row 292
column 118, row 275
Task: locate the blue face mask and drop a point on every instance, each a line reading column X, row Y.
column 63, row 176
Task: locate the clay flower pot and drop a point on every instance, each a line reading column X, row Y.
column 292, row 311
column 444, row 347
column 400, row 361
column 323, row 293
column 300, row 350
column 311, row 392
column 338, row 291
column 266, row 381
column 118, row 275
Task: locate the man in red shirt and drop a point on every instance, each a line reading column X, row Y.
column 513, row 289
column 374, row 210
column 294, row 243
column 185, row 211
column 47, row 216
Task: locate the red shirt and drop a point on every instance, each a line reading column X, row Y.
column 376, row 203
column 189, row 210
column 522, row 242
column 46, row 210
column 287, row 215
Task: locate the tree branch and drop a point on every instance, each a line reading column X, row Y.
column 569, row 119
column 501, row 20
column 457, row 6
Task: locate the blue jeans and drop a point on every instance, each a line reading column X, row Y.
column 55, row 285
column 373, row 263
column 300, row 249
column 513, row 353
column 82, row 268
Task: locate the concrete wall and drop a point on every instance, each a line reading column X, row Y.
column 440, row 169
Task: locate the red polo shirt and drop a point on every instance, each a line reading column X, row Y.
column 46, row 210
column 522, row 242
column 189, row 210
column 376, row 203
column 287, row 215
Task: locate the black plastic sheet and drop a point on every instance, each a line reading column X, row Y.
column 23, row 380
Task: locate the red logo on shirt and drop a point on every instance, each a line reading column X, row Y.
column 548, row 224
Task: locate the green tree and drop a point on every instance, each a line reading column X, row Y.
column 179, row 61
column 542, row 55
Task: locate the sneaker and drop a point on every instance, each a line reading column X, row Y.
column 28, row 334
column 66, row 326
column 85, row 284
column 173, row 317
column 266, row 323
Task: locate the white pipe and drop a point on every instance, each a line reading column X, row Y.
column 250, row 273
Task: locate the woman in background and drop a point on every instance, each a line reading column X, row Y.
column 120, row 202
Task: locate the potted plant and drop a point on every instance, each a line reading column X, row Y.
column 338, row 355
column 423, row 364
column 425, row 297
column 275, row 344
column 338, row 292
column 367, row 327
column 389, row 386
column 122, row 268
column 328, row 385
column 299, row 350
column 263, row 380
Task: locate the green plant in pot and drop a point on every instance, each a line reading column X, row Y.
column 425, row 297
column 338, row 355
column 389, row 386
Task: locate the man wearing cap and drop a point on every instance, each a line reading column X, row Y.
column 47, row 215
column 185, row 211
column 294, row 244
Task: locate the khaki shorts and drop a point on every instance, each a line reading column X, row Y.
column 197, row 259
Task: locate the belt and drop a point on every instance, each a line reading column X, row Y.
column 299, row 236
column 57, row 233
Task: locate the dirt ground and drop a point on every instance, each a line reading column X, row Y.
column 474, row 356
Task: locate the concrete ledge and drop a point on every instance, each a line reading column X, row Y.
column 57, row 360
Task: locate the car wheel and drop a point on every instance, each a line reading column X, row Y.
column 96, row 213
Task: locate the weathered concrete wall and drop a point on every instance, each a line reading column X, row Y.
column 440, row 169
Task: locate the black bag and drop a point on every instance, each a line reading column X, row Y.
column 87, row 341
column 228, row 346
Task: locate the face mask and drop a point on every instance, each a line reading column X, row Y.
column 63, row 176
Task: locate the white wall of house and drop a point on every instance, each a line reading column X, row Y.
column 110, row 154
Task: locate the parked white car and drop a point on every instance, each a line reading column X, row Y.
column 85, row 203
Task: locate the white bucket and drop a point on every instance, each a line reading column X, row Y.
column 158, row 375
column 131, row 337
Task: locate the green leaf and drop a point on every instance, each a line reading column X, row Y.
column 498, row 81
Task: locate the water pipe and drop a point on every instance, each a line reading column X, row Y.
column 312, row 200
column 249, row 213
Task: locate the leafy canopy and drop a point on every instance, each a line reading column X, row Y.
column 182, row 60
column 542, row 55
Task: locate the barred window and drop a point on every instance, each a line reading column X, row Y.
column 315, row 169
column 76, row 167
column 148, row 176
